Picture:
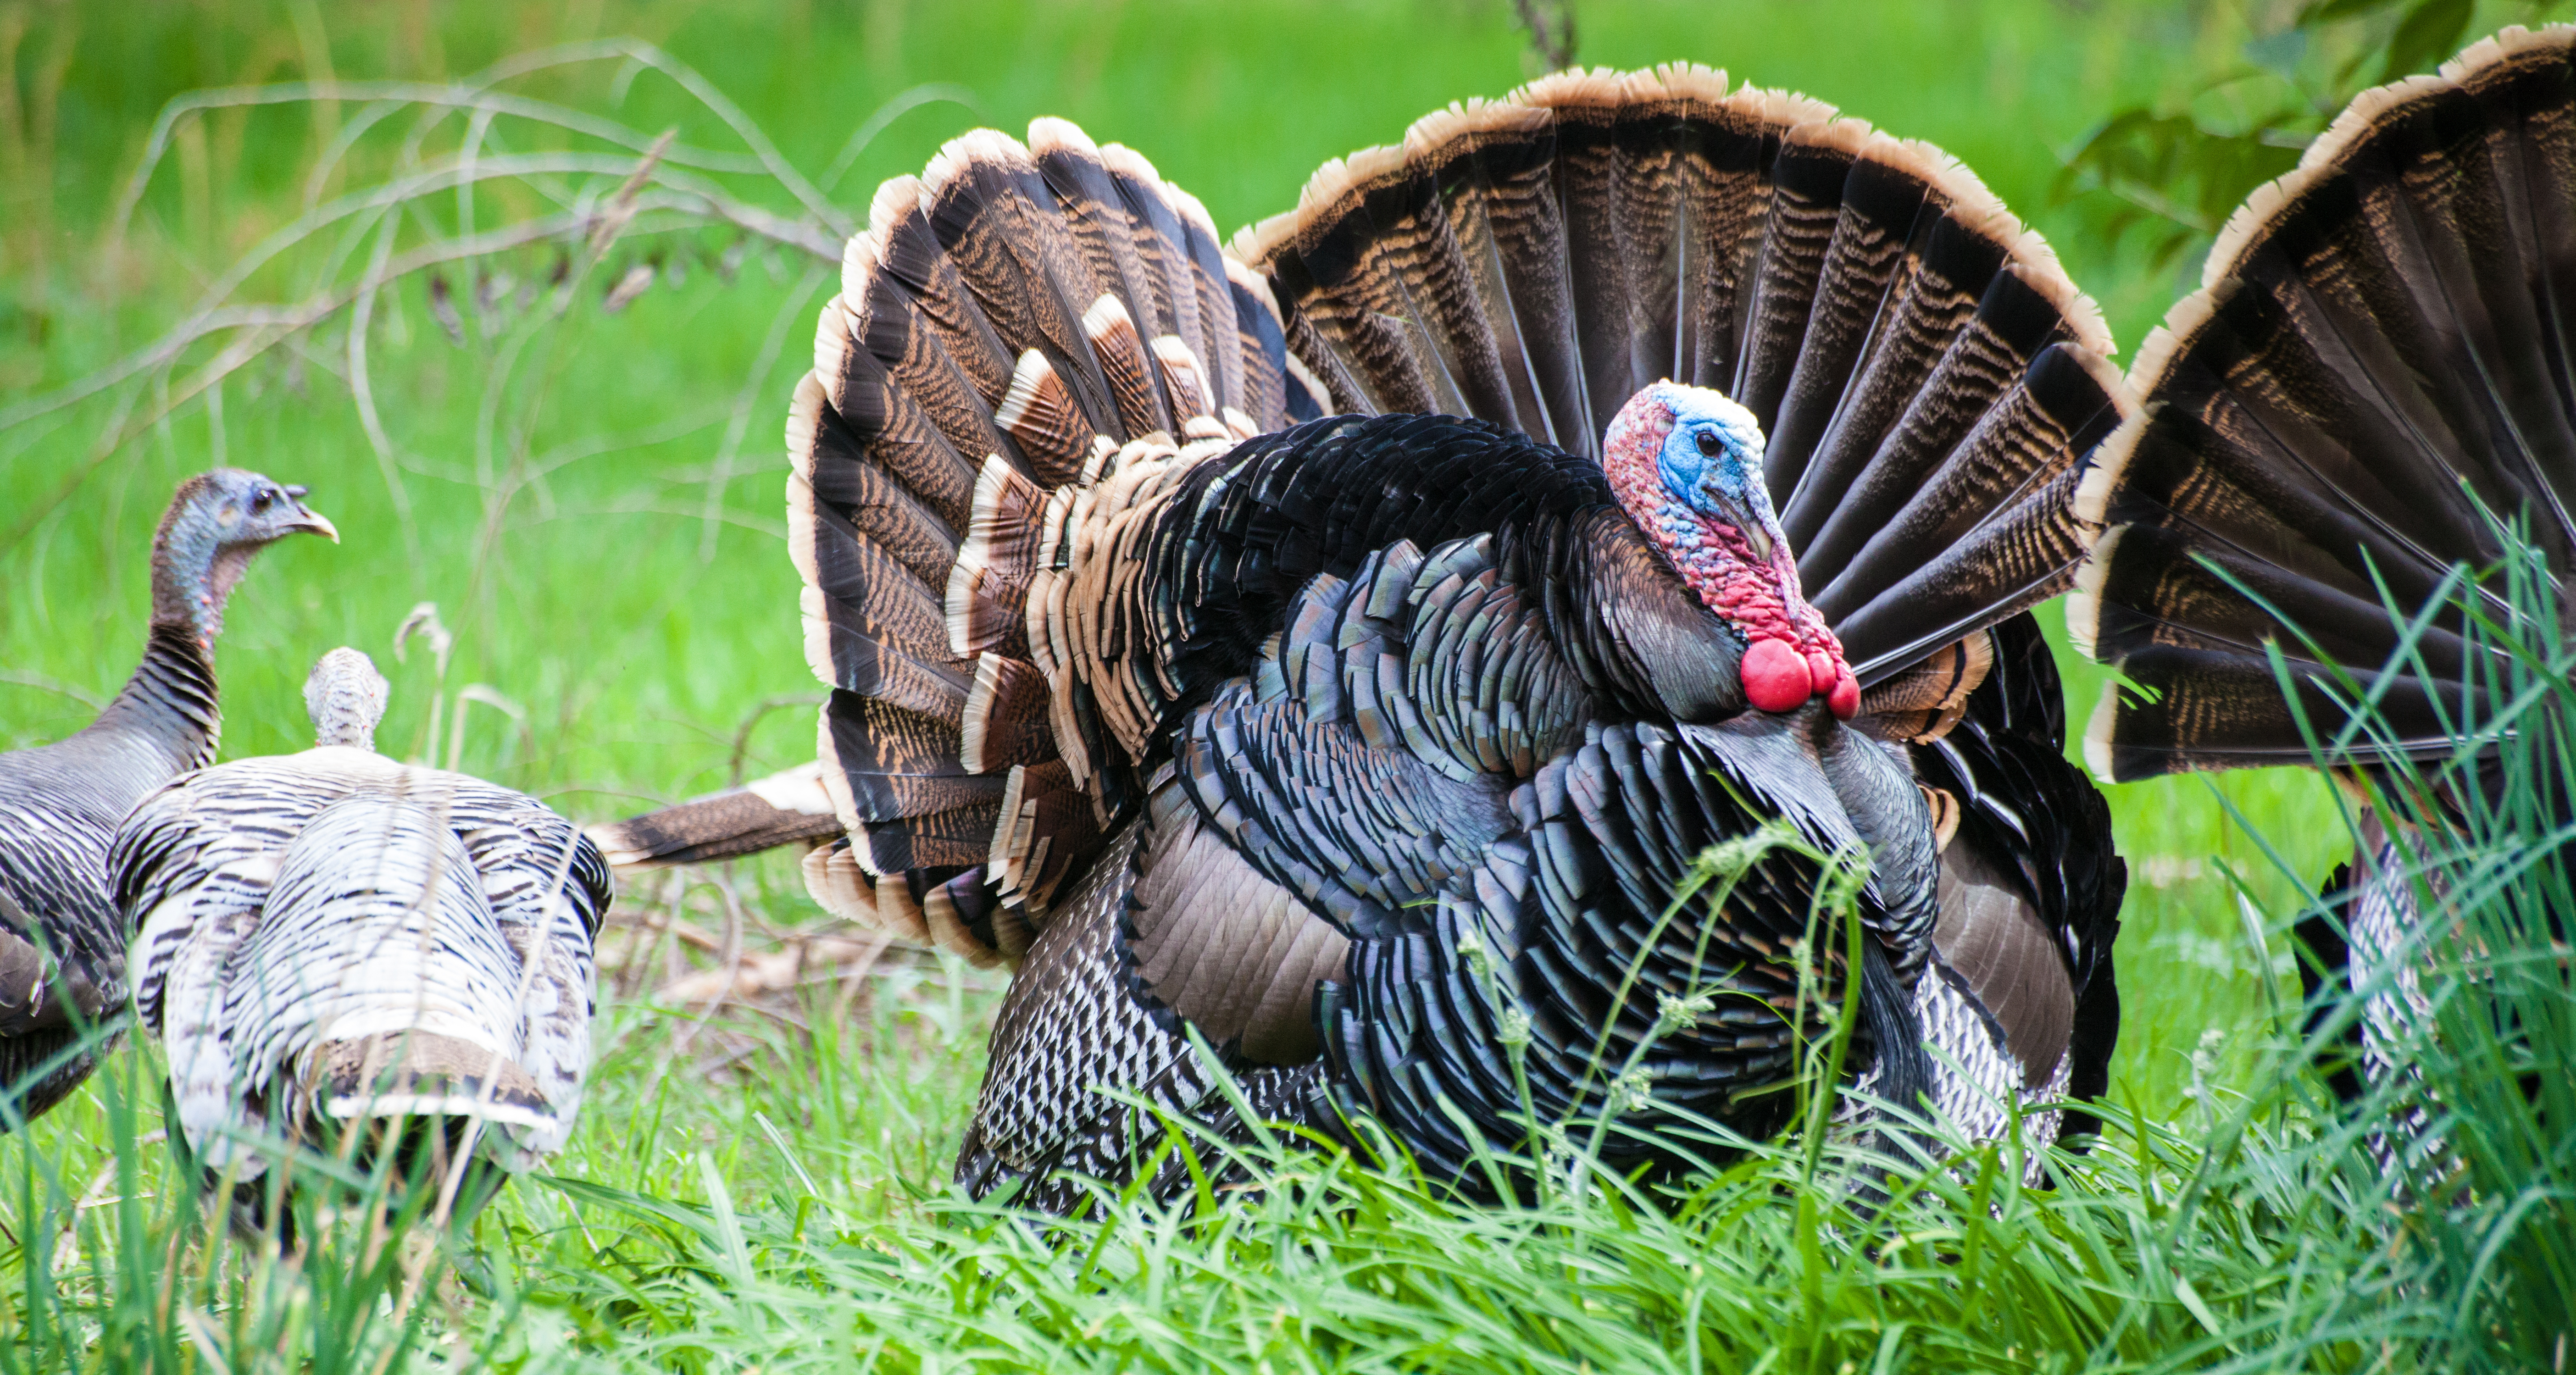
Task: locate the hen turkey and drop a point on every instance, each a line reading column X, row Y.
column 2372, row 385
column 332, row 938
column 1343, row 647
column 62, row 953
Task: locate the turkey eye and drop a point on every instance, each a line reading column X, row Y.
column 259, row 504
column 1710, row 445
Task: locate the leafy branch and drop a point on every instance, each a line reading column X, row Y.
column 2172, row 173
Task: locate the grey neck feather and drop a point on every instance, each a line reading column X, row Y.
column 171, row 701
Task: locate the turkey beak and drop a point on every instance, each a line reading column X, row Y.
column 1758, row 537
column 1747, row 522
column 310, row 521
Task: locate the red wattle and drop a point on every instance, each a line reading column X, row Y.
column 1844, row 700
column 1820, row 669
column 1776, row 677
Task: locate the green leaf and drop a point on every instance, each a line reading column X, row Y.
column 2430, row 32
column 2199, row 1308
column 2318, row 12
column 688, row 1217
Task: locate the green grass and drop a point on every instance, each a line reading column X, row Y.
column 594, row 502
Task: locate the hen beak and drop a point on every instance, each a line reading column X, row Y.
column 313, row 522
column 307, row 519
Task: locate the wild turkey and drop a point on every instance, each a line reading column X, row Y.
column 332, row 936
column 1343, row 647
column 62, row 955
column 2375, row 371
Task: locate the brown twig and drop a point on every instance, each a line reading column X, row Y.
column 1551, row 31
column 742, row 733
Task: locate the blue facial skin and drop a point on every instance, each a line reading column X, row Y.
column 1711, row 461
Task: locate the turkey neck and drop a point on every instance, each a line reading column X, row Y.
column 170, row 700
column 170, row 703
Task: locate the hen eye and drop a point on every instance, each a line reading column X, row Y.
column 1709, row 445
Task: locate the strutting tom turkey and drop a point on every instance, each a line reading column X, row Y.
column 1342, row 645
column 2376, row 370
column 62, row 953
column 332, row 939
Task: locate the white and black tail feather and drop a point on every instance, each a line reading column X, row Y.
column 1005, row 323
column 782, row 809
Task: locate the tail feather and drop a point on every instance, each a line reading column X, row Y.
column 912, row 309
column 2205, row 585
column 1096, row 211
column 1162, row 228
column 950, row 839
column 425, row 1074
column 1265, row 352
column 882, row 764
column 1806, row 203
column 2374, row 379
column 1375, row 239
column 896, row 517
column 990, row 209
column 1613, row 294
column 1991, row 529
column 1536, row 261
column 2222, row 710
column 1928, row 289
column 849, row 415
column 1870, row 263
column 1129, row 364
column 778, row 810
column 1505, row 218
column 1009, row 325
column 1838, row 508
column 872, row 628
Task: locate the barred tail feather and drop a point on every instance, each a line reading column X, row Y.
column 2375, row 379
column 1535, row 261
column 1008, row 321
column 778, row 810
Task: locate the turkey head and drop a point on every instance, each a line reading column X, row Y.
column 1686, row 463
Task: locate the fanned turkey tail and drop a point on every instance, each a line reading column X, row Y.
column 1017, row 319
column 2377, row 370
column 1927, row 377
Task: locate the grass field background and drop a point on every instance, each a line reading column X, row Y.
column 596, row 507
